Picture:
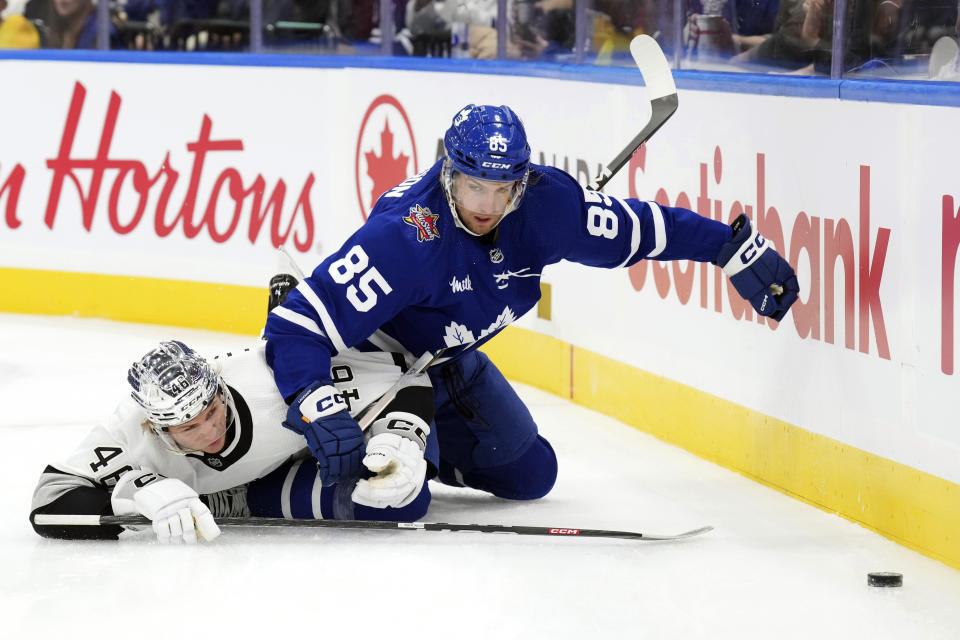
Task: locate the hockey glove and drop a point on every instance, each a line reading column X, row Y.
column 175, row 509
column 395, row 455
column 334, row 438
column 758, row 273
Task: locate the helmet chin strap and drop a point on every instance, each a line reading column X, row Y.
column 457, row 220
column 446, row 177
column 223, row 394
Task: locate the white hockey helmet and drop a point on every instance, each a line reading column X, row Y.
column 173, row 384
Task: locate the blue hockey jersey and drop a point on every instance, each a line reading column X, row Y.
column 411, row 281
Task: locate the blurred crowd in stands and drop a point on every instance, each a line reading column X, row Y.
column 880, row 37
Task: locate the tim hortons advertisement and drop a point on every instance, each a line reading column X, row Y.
column 121, row 166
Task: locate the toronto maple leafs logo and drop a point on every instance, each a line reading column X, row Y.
column 457, row 334
column 464, row 113
column 424, row 221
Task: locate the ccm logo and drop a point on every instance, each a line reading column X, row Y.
column 566, row 532
column 495, row 165
column 750, row 252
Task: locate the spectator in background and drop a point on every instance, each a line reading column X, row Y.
column 429, row 24
column 926, row 21
column 541, row 29
column 546, row 29
column 337, row 15
column 72, row 24
column 560, row 34
column 16, row 32
column 801, row 39
column 456, row 28
column 749, row 22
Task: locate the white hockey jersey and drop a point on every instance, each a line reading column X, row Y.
column 257, row 442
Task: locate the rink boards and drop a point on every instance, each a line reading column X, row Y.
column 156, row 192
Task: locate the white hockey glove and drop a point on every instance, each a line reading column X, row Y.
column 395, row 455
column 175, row 509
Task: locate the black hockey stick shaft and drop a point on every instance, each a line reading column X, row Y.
column 372, row 412
column 94, row 520
column 657, row 76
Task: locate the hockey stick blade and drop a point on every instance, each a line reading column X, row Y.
column 95, row 520
column 658, row 78
column 297, row 271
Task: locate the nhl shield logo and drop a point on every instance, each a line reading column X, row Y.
column 424, row 221
column 496, row 256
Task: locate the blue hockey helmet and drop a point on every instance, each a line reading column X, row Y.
column 486, row 143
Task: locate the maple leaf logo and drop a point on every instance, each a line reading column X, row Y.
column 457, row 334
column 505, row 318
column 385, row 170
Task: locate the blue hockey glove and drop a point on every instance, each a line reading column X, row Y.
column 334, row 438
column 757, row 271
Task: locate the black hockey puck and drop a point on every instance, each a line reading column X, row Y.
column 885, row 579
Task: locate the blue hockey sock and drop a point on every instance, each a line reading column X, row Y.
column 294, row 491
column 290, row 491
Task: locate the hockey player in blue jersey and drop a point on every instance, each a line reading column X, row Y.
column 450, row 257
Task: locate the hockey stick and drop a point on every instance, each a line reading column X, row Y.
column 656, row 73
column 419, row 366
column 95, row 520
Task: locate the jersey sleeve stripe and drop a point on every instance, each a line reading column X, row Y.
column 325, row 319
column 635, row 231
column 315, row 499
column 659, row 229
column 286, row 489
column 298, row 319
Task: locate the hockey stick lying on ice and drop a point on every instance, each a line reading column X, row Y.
column 94, row 520
column 655, row 69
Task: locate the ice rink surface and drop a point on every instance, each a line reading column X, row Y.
column 772, row 568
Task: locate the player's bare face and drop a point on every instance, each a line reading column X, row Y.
column 481, row 203
column 207, row 432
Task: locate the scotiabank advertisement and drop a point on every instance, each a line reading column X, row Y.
column 198, row 172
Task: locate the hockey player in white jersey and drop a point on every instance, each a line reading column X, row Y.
column 450, row 257
column 194, row 433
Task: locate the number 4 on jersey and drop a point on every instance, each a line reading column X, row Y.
column 104, row 456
